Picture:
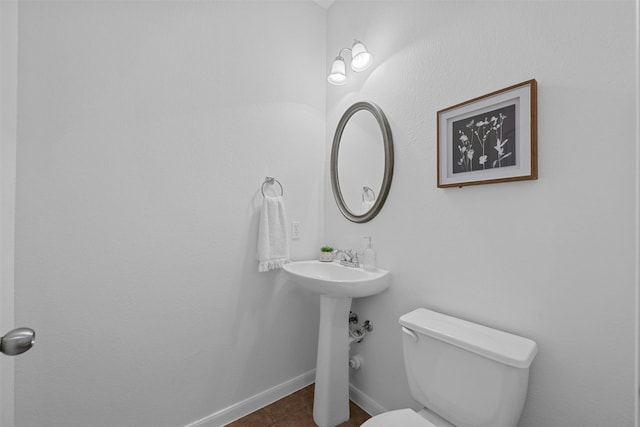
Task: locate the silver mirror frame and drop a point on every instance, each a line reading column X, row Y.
column 385, row 129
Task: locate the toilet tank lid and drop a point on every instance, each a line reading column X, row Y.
column 500, row 346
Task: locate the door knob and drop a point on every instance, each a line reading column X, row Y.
column 17, row 341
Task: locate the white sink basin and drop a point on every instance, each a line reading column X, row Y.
column 335, row 280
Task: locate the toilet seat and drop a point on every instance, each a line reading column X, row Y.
column 400, row 417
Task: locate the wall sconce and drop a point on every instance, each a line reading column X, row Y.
column 361, row 59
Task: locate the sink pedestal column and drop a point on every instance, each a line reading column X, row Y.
column 331, row 400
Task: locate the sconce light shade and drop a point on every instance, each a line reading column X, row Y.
column 338, row 74
column 361, row 58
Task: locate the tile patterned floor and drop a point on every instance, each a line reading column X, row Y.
column 295, row 410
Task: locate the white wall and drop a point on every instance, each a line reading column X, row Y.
column 139, row 165
column 8, row 135
column 552, row 259
column 145, row 132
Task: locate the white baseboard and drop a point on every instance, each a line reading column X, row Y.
column 369, row 405
column 260, row 400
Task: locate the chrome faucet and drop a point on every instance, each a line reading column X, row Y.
column 348, row 258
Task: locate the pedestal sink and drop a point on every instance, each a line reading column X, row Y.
column 337, row 285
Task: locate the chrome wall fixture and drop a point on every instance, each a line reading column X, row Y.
column 361, row 59
column 271, row 181
column 17, row 341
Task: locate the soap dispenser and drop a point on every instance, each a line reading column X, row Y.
column 369, row 255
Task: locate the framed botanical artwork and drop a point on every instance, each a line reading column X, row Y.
column 489, row 139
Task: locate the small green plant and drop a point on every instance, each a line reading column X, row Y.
column 326, row 249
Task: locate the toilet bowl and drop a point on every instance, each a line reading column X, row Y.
column 465, row 374
column 407, row 418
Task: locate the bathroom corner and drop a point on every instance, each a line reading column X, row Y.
column 527, row 257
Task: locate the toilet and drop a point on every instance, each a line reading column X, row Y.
column 465, row 374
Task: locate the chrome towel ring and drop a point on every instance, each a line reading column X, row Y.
column 366, row 191
column 269, row 180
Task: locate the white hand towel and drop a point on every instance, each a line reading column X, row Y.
column 273, row 235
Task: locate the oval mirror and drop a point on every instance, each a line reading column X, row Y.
column 361, row 162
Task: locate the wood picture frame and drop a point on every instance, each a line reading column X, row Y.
column 489, row 139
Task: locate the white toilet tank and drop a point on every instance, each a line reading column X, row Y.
column 469, row 374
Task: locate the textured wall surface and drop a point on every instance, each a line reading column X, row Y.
column 552, row 259
column 146, row 130
column 8, row 135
